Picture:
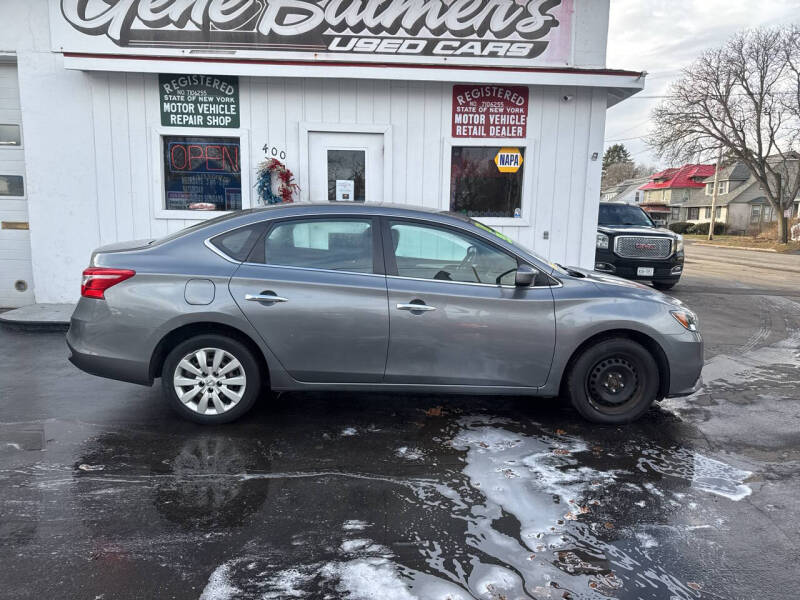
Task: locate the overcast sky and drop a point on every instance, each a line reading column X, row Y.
column 663, row 36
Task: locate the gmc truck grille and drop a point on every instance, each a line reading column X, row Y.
column 629, row 246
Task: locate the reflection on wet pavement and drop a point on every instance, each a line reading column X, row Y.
column 473, row 502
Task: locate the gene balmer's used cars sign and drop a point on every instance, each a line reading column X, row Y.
column 491, row 32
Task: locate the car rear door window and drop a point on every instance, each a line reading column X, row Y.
column 329, row 244
column 439, row 253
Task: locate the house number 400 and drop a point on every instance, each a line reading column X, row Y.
column 274, row 152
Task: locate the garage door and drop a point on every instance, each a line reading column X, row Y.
column 16, row 278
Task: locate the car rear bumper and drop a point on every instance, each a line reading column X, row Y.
column 99, row 348
column 668, row 269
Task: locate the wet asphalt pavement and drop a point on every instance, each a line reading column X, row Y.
column 105, row 494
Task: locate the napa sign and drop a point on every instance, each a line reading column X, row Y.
column 511, row 32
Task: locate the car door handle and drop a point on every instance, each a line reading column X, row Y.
column 413, row 307
column 265, row 298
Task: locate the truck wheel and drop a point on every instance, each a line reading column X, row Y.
column 614, row 381
column 664, row 285
column 211, row 379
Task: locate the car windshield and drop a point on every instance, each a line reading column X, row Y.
column 623, row 214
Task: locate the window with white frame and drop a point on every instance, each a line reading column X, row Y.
column 202, row 173
column 693, row 213
column 483, row 185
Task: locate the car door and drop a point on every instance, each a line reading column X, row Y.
column 314, row 289
column 456, row 317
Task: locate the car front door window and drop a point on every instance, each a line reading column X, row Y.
column 437, row 253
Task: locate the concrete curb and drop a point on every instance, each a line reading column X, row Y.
column 38, row 317
column 751, row 248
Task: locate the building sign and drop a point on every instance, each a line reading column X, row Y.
column 199, row 100
column 508, row 160
column 490, row 111
column 202, row 173
column 490, row 32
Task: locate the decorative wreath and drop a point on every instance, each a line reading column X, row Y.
column 287, row 186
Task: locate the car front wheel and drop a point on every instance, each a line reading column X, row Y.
column 664, row 285
column 211, row 379
column 614, row 381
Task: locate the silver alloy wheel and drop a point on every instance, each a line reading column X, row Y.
column 209, row 381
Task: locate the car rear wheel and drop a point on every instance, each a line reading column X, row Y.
column 614, row 381
column 664, row 285
column 211, row 379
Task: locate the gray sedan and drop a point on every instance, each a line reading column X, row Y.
column 373, row 297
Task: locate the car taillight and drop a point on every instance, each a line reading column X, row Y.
column 96, row 280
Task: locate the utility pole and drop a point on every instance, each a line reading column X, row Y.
column 714, row 195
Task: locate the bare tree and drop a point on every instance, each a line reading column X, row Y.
column 745, row 98
column 619, row 172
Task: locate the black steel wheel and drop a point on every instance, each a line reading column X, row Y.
column 614, row 381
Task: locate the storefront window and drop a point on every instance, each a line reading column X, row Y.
column 478, row 187
column 202, row 173
column 11, row 185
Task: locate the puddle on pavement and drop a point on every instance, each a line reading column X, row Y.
column 454, row 505
column 515, row 512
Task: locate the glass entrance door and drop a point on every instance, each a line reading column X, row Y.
column 345, row 167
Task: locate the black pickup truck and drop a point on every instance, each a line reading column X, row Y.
column 631, row 246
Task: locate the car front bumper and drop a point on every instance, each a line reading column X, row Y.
column 684, row 353
column 668, row 269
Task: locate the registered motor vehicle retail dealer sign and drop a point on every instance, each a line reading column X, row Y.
column 199, row 101
column 490, row 111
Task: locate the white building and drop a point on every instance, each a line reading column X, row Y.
column 104, row 136
column 625, row 192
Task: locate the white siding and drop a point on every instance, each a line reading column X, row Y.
column 15, row 245
column 119, row 112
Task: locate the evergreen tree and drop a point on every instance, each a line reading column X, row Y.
column 616, row 154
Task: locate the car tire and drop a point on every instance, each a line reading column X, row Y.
column 219, row 396
column 613, row 381
column 664, row 285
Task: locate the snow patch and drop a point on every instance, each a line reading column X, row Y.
column 408, row 453
column 646, row 540
column 348, row 431
column 354, row 525
column 219, row 586
column 367, row 579
column 716, row 477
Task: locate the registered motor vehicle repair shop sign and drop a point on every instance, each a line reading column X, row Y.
column 199, row 101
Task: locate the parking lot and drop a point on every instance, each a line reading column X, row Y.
column 106, row 494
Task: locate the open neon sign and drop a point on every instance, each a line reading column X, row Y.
column 203, row 157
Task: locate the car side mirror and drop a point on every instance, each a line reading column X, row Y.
column 524, row 276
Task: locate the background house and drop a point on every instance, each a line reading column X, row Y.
column 626, row 192
column 741, row 203
column 668, row 191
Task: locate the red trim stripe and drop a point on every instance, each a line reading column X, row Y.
column 303, row 63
